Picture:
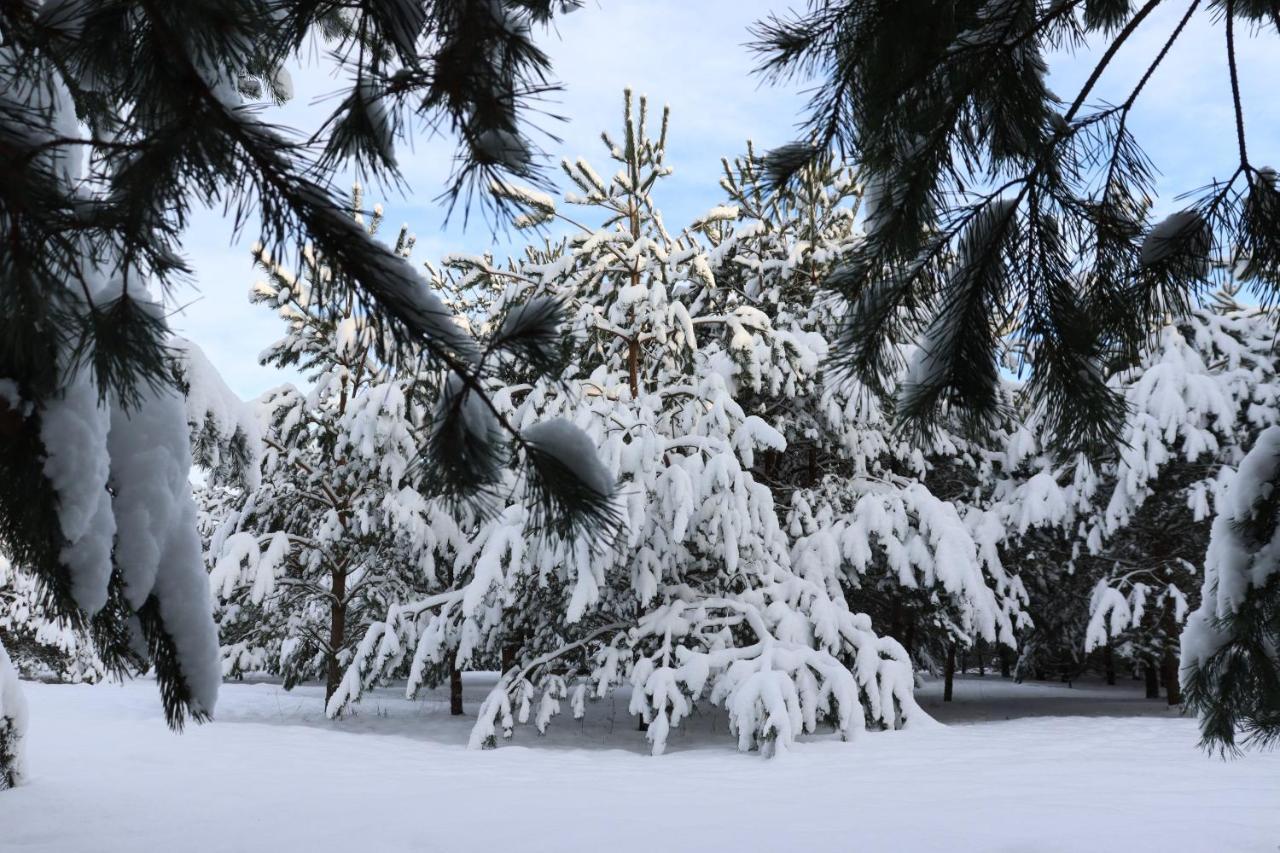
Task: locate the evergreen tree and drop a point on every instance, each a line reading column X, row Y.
column 114, row 117
column 13, row 724
column 901, row 527
column 332, row 532
column 1230, row 644
column 1006, row 219
column 41, row 646
column 700, row 600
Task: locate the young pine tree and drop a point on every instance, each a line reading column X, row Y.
column 899, row 523
column 333, row 530
column 698, row 599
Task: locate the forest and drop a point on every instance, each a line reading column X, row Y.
column 903, row 481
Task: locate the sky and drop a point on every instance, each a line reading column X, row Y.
column 691, row 55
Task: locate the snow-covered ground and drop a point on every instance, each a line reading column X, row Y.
column 1020, row 768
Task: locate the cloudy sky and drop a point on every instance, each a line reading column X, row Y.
column 690, row 54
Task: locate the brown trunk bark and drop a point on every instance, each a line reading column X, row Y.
column 1152, row 679
column 948, row 684
column 633, row 367
column 455, row 690
column 337, row 632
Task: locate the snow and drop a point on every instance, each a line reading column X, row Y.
column 1170, row 235
column 13, row 725
column 1033, row 767
column 73, row 428
column 573, row 449
column 158, row 549
column 504, row 148
column 212, row 405
column 1233, row 564
column 282, row 81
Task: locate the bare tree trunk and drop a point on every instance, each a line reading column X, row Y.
column 948, row 684
column 1169, row 665
column 633, row 367
column 509, row 652
column 1152, row 679
column 1169, row 662
column 982, row 661
column 1109, row 659
column 455, row 689
column 1005, row 666
column 337, row 632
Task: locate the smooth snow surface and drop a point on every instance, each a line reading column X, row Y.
column 274, row 775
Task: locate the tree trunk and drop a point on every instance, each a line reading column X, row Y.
column 1109, row 659
column 950, row 676
column 1169, row 661
column 509, row 652
column 1152, row 679
column 982, row 662
column 337, row 632
column 1172, row 690
column 455, row 690
column 1005, row 666
column 964, row 659
column 633, row 367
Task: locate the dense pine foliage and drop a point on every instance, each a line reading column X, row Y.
column 1011, row 226
column 929, row 385
column 115, row 118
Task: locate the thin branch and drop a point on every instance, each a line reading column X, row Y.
column 1235, row 84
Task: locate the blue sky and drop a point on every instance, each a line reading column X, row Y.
column 690, row 54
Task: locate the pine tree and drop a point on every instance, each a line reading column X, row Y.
column 1231, row 641
column 13, row 724
column 114, row 117
column 1131, row 526
column 41, row 646
column 1004, row 219
column 333, row 530
column 901, row 527
column 699, row 600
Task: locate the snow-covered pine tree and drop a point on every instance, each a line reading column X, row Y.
column 41, row 646
column 1057, row 249
column 699, row 600
column 1130, row 527
column 897, row 522
column 331, row 531
column 1197, row 401
column 1232, row 640
column 94, row 498
column 114, row 117
column 13, row 724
